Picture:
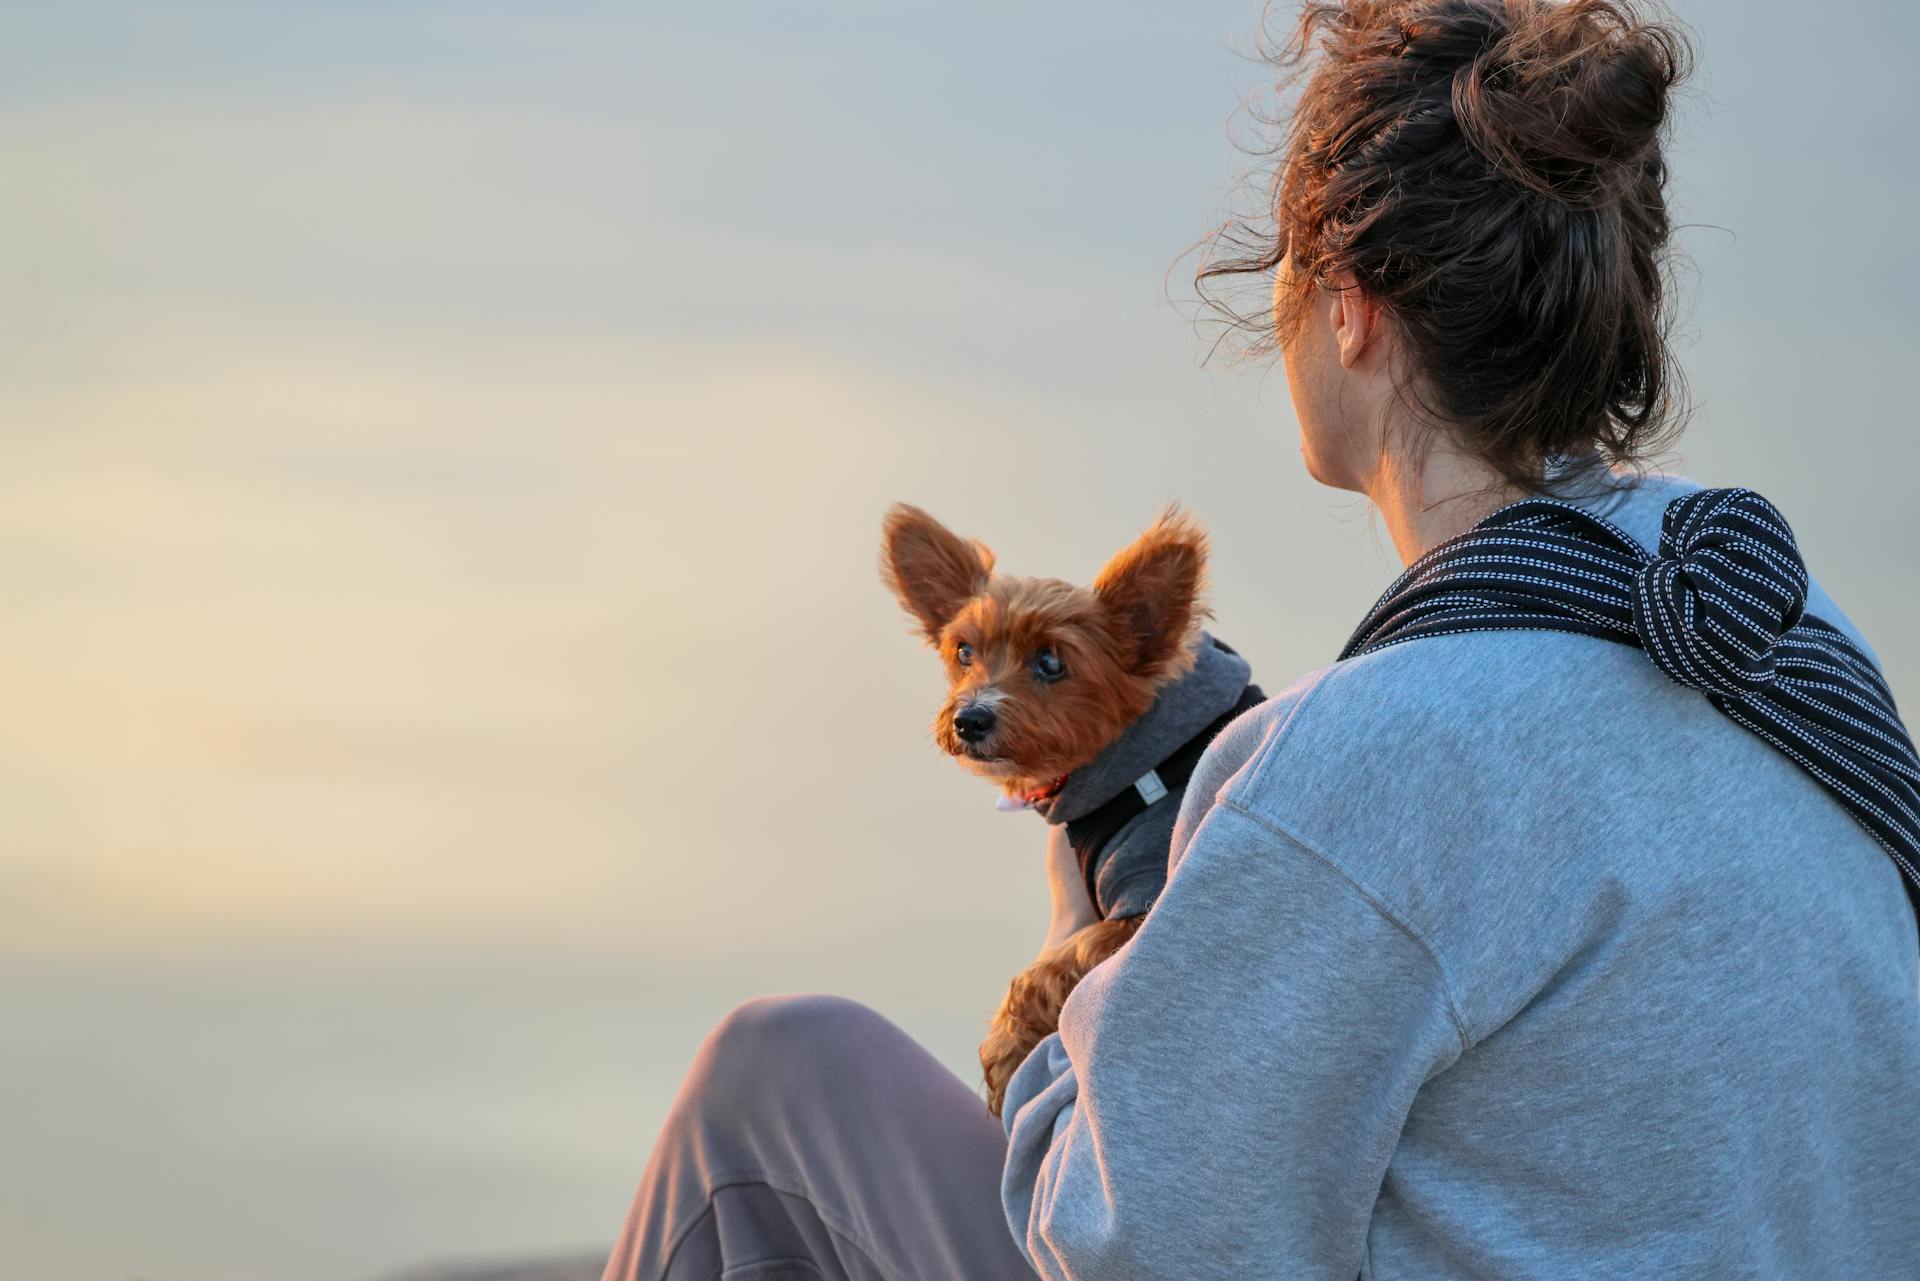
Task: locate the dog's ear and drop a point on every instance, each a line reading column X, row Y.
column 1153, row 591
column 930, row 568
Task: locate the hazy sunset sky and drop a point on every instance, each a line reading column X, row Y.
column 442, row 450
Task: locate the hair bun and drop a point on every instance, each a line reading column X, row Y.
column 1568, row 102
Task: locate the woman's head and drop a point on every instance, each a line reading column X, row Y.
column 1468, row 233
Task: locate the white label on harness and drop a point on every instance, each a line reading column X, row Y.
column 1150, row 787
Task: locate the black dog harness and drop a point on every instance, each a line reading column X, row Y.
column 1090, row 833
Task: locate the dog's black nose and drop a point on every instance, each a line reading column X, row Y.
column 973, row 723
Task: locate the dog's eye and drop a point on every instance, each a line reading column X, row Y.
column 1047, row 666
column 963, row 654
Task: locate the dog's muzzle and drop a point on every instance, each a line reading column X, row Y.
column 973, row 723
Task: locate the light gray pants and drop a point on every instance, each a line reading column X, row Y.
column 813, row 1139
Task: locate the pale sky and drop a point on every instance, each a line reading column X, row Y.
column 442, row 449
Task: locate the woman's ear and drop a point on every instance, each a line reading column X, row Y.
column 1356, row 321
column 1152, row 592
column 930, row 568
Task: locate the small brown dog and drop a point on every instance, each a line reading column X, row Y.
column 1043, row 676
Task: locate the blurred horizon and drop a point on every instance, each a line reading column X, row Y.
column 445, row 665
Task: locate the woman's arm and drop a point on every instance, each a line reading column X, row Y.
column 1077, row 940
column 1223, row 1095
column 1073, row 911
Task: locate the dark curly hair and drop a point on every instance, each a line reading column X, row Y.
column 1491, row 172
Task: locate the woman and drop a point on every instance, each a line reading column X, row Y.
column 1499, row 954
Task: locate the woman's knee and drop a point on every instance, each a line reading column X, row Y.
column 786, row 1046
column 791, row 1022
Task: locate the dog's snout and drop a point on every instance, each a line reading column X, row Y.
column 973, row 723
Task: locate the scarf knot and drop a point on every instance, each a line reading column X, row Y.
column 1728, row 583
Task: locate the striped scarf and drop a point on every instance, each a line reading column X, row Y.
column 1721, row 609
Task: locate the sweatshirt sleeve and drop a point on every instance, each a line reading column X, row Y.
column 1223, row 1094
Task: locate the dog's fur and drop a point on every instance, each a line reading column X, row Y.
column 1132, row 631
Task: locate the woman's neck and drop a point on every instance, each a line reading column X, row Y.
column 1428, row 500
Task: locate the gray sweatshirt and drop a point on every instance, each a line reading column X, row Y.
column 1488, row 956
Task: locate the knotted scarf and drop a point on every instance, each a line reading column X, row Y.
column 1721, row 609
